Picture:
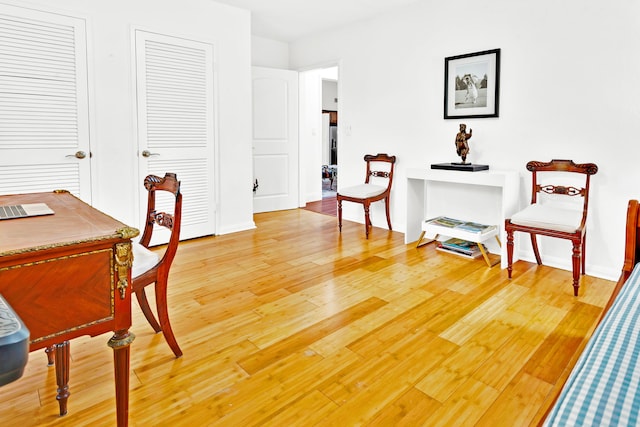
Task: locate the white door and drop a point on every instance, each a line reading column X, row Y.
column 175, row 96
column 275, row 139
column 44, row 113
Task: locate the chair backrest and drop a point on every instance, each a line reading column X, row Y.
column 375, row 162
column 586, row 169
column 172, row 221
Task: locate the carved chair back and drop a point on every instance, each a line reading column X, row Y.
column 380, row 158
column 171, row 221
column 538, row 189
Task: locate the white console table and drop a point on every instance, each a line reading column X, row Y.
column 487, row 197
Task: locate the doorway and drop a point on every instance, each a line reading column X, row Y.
column 315, row 152
column 319, row 121
column 329, row 174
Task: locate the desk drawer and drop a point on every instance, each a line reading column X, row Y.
column 65, row 296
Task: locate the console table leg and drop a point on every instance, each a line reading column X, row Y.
column 420, row 243
column 120, row 343
column 486, row 256
column 62, row 375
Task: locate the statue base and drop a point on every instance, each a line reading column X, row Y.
column 467, row 167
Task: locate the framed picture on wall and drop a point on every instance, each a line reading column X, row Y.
column 472, row 85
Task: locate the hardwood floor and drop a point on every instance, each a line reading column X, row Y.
column 294, row 324
column 325, row 206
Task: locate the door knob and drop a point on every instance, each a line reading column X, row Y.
column 147, row 153
column 78, row 155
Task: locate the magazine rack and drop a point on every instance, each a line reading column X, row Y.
column 472, row 232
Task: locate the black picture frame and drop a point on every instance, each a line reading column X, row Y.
column 472, row 85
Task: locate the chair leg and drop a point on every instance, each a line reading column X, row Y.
column 386, row 205
column 367, row 219
column 584, row 246
column 340, row 214
column 575, row 261
column 509, row 252
column 536, row 252
column 163, row 315
column 141, row 296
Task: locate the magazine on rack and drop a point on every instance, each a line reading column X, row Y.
column 460, row 245
column 469, row 226
column 458, row 253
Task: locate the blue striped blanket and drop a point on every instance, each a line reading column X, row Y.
column 603, row 388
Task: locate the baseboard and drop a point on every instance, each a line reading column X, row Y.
column 607, row 273
column 234, row 228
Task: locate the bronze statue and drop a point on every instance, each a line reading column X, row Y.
column 462, row 146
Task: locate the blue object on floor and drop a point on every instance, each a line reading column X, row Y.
column 14, row 344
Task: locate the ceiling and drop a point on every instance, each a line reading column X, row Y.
column 290, row 20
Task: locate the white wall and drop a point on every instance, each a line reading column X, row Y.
column 567, row 91
column 269, row 53
column 310, row 131
column 329, row 95
column 109, row 27
column 326, row 138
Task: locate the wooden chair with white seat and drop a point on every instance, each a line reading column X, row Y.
column 370, row 192
column 148, row 267
column 552, row 216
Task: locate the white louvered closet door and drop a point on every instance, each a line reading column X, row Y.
column 44, row 117
column 175, row 92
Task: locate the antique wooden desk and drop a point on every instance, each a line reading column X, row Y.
column 67, row 275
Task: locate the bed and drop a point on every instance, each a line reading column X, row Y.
column 603, row 387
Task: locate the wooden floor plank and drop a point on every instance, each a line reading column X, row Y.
column 513, row 406
column 302, row 339
column 411, row 409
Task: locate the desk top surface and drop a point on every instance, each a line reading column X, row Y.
column 73, row 221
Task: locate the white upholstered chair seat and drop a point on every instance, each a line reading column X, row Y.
column 549, row 217
column 363, row 191
column 143, row 260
